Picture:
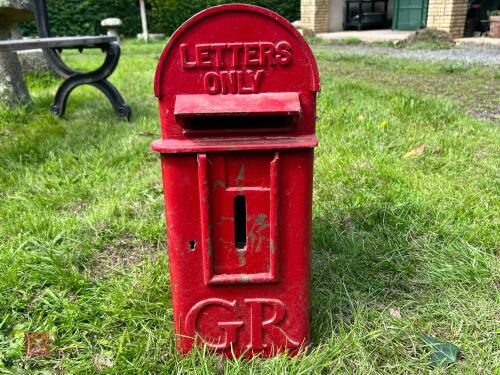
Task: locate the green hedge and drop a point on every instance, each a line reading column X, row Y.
column 167, row 15
column 83, row 17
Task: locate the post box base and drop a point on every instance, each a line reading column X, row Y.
column 239, row 249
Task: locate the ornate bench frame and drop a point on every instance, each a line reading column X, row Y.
column 53, row 47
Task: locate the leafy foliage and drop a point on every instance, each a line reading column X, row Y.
column 427, row 39
column 442, row 353
column 168, row 15
column 75, row 17
column 83, row 17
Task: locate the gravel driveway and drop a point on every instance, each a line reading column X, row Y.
column 467, row 54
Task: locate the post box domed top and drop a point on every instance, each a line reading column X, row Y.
column 236, row 49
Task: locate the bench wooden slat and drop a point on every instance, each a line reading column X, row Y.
column 62, row 42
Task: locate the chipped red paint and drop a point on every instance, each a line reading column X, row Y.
column 237, row 89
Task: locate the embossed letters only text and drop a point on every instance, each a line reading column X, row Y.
column 235, row 68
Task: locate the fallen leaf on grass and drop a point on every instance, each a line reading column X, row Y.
column 415, row 153
column 395, row 312
column 37, row 344
column 383, row 124
column 146, row 134
column 442, row 353
column 101, row 362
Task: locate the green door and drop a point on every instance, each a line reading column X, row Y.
column 409, row 14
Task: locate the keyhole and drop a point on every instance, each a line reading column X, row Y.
column 192, row 245
column 240, row 222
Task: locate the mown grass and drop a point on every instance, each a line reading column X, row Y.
column 82, row 234
column 410, row 45
column 475, row 89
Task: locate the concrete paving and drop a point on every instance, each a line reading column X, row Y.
column 482, row 54
column 368, row 35
column 384, row 35
column 479, row 40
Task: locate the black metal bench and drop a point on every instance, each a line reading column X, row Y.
column 53, row 47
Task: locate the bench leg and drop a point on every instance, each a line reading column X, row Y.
column 122, row 109
column 58, row 107
column 96, row 78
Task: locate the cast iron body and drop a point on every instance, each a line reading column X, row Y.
column 74, row 78
column 237, row 91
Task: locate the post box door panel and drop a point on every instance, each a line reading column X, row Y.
column 238, row 202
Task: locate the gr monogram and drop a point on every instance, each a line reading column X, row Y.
column 258, row 324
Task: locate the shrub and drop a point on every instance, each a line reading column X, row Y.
column 83, row 17
column 427, row 39
column 167, row 15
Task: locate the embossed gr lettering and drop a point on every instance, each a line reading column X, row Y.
column 258, row 325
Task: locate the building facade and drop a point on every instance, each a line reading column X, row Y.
column 329, row 15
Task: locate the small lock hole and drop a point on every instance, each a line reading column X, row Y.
column 192, row 245
column 240, row 222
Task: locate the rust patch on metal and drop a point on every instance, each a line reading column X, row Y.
column 245, row 279
column 219, row 183
column 241, row 256
column 259, row 225
column 224, row 218
column 261, row 221
column 210, row 248
column 240, row 177
column 259, row 243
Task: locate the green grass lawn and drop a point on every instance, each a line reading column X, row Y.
column 405, row 242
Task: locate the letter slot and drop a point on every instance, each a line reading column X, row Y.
column 215, row 114
column 240, row 222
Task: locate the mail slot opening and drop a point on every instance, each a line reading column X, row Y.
column 240, row 222
column 262, row 113
column 269, row 123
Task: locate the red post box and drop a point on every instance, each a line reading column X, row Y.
column 237, row 91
